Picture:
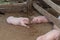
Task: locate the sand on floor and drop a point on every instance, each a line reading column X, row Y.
column 12, row 32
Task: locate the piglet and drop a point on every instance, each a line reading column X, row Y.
column 39, row 19
column 18, row 21
column 51, row 35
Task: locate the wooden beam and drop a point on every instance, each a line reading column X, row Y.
column 12, row 7
column 53, row 12
column 53, row 5
column 47, row 14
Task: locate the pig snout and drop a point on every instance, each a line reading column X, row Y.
column 39, row 19
column 36, row 20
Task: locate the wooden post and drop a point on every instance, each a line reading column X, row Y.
column 29, row 7
column 47, row 14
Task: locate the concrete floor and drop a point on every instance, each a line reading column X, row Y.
column 11, row 32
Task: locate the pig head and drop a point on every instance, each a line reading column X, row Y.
column 39, row 19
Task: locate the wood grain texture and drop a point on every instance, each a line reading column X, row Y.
column 12, row 7
column 47, row 14
column 29, row 6
column 53, row 5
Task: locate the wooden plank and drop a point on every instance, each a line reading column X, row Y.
column 14, row 7
column 43, row 4
column 49, row 16
column 53, row 5
column 52, row 11
column 56, row 1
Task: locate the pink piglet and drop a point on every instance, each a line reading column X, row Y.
column 39, row 19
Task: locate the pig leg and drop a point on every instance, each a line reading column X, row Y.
column 22, row 24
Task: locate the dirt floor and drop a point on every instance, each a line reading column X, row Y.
column 12, row 32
